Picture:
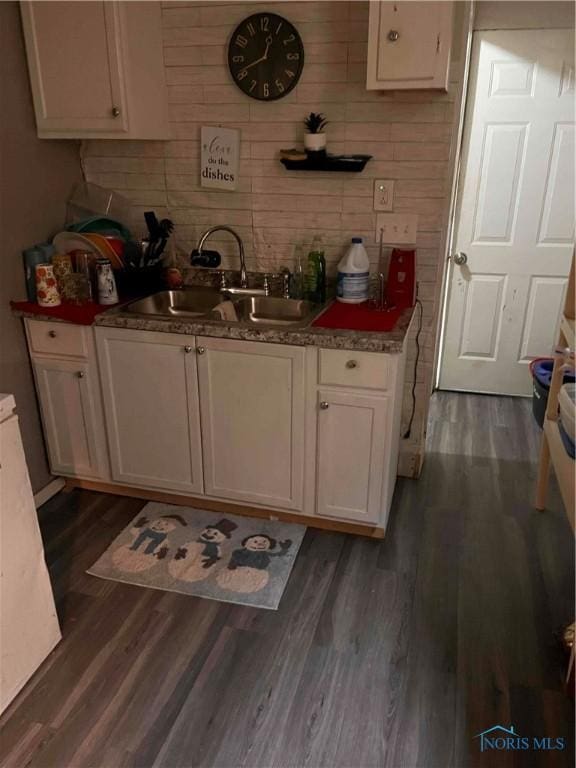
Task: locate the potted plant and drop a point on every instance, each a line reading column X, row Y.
column 315, row 138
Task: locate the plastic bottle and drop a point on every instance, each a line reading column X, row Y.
column 353, row 274
column 315, row 278
column 297, row 286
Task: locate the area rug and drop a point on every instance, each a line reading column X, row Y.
column 221, row 557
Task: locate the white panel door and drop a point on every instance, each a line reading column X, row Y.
column 150, row 392
column 515, row 220
column 352, row 438
column 72, row 417
column 76, row 68
column 252, row 409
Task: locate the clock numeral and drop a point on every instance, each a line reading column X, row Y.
column 279, row 84
column 242, row 74
column 251, row 29
column 289, row 73
column 278, row 27
column 253, row 85
column 241, row 41
column 289, row 39
column 293, row 56
column 264, row 21
column 266, row 90
column 238, row 59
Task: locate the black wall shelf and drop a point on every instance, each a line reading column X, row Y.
column 336, row 163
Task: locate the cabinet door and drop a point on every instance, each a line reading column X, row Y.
column 76, row 71
column 71, row 415
column 351, row 452
column 409, row 44
column 252, row 410
column 150, row 392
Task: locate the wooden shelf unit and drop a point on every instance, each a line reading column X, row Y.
column 552, row 445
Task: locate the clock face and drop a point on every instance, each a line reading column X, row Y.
column 265, row 56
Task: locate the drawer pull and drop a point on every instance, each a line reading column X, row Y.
column 324, row 405
column 52, row 334
column 80, row 374
column 351, row 364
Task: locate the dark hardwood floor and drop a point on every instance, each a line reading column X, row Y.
column 390, row 654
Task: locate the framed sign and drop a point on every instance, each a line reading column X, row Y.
column 220, row 157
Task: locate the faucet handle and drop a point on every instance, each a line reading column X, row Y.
column 266, row 285
column 223, row 283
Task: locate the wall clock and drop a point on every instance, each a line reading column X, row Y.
column 265, row 56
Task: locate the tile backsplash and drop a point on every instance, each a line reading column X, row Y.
column 409, row 135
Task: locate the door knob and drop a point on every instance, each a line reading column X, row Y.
column 200, row 350
column 80, row 374
column 115, row 112
column 52, row 334
column 459, row 258
column 393, row 35
column 351, row 364
column 187, row 349
column 324, row 405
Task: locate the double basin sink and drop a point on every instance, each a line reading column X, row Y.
column 209, row 304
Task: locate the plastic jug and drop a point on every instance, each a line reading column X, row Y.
column 353, row 274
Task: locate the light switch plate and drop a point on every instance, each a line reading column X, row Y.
column 397, row 228
column 383, row 195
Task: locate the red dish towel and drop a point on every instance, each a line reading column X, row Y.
column 357, row 317
column 83, row 314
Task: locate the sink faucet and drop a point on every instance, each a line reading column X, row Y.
column 218, row 228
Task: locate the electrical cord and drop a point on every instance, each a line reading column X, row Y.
column 409, row 429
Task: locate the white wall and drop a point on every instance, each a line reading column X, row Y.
column 501, row 14
column 37, row 176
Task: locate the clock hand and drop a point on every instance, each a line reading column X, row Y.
column 262, row 58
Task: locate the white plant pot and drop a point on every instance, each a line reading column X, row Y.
column 315, row 142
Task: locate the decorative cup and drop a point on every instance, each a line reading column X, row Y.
column 62, row 265
column 47, row 293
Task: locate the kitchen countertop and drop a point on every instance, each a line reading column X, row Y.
column 302, row 335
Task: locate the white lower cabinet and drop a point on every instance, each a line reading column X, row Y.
column 270, row 425
column 69, row 396
column 351, row 445
column 252, row 409
column 150, row 393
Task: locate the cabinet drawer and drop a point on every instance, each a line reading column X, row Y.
column 59, row 339
column 367, row 370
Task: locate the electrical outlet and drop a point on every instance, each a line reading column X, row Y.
column 383, row 195
column 396, row 228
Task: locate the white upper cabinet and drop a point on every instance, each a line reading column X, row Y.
column 409, row 45
column 96, row 69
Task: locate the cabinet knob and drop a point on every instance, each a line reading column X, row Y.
column 187, row 349
column 200, row 350
column 115, row 112
column 52, row 334
column 80, row 374
column 393, row 35
column 324, row 405
column 351, row 364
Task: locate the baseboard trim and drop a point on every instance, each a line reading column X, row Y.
column 46, row 493
column 226, row 507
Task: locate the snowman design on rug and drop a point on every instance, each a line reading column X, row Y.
column 195, row 561
column 150, row 543
column 247, row 570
